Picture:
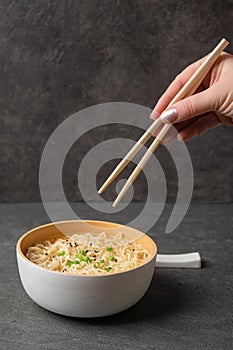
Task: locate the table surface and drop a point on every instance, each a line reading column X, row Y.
column 183, row 308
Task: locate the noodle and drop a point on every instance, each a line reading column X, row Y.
column 87, row 254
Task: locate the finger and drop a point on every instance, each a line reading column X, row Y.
column 198, row 127
column 191, row 106
column 186, row 123
column 173, row 131
column 170, row 136
column 175, row 86
column 155, row 115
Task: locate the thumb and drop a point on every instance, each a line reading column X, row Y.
column 190, row 107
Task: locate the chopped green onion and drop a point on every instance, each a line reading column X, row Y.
column 109, row 248
column 111, row 258
column 79, row 256
column 96, row 264
column 107, row 269
column 102, row 261
column 61, row 253
column 86, row 259
column 82, row 252
column 69, row 263
column 76, row 262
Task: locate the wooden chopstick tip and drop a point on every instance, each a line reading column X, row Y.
column 100, row 191
column 119, row 198
column 103, row 187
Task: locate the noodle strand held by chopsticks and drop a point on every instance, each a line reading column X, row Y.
column 87, row 254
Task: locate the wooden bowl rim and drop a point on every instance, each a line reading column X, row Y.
column 26, row 234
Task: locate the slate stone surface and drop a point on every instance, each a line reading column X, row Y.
column 58, row 57
column 183, row 309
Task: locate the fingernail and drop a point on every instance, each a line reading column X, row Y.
column 154, row 115
column 169, row 116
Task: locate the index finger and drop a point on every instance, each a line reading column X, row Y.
column 175, row 87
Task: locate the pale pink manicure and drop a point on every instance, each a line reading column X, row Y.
column 169, row 116
column 154, row 115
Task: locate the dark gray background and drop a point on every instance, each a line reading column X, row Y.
column 57, row 57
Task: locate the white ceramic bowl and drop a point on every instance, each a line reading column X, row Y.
column 84, row 296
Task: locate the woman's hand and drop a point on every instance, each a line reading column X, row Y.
column 211, row 105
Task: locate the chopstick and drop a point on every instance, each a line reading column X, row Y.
column 131, row 154
column 188, row 89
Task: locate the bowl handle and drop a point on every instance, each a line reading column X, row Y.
column 188, row 261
